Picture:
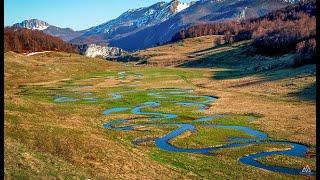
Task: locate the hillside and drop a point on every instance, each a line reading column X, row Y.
column 172, row 54
column 238, row 60
column 23, row 40
column 288, row 30
column 246, row 29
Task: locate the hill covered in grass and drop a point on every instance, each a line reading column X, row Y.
column 209, row 52
column 22, row 40
column 173, row 54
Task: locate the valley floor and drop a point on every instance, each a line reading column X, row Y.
column 54, row 104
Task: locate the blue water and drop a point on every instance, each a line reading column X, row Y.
column 297, row 150
column 156, row 115
column 90, row 99
column 138, row 75
column 122, row 75
column 252, row 118
column 110, row 125
column 113, row 110
column 201, row 106
column 157, row 95
column 114, row 96
column 257, row 137
column 210, row 118
column 65, row 99
column 210, row 99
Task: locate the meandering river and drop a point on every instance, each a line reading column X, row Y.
column 258, row 137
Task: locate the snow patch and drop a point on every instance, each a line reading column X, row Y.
column 182, row 6
column 41, row 27
column 34, row 53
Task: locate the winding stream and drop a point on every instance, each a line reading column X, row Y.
column 297, row 150
column 257, row 137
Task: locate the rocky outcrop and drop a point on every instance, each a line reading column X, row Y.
column 93, row 50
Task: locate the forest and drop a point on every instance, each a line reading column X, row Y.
column 23, row 40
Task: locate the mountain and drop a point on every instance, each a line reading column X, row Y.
column 203, row 11
column 132, row 21
column 149, row 26
column 33, row 24
column 157, row 24
column 66, row 34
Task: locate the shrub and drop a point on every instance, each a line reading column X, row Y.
column 305, row 52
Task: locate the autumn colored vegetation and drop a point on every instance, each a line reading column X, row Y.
column 291, row 29
column 306, row 52
column 22, row 40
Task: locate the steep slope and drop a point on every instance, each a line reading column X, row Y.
column 201, row 12
column 131, row 21
column 66, row 34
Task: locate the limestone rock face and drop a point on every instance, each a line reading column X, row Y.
column 93, row 50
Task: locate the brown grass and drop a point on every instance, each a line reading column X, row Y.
column 177, row 53
column 45, row 140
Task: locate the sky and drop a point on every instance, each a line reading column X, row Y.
column 75, row 14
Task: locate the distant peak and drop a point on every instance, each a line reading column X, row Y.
column 35, row 21
column 34, row 24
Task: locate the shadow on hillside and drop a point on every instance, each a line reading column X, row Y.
column 203, row 50
column 239, row 61
column 307, row 94
column 228, row 58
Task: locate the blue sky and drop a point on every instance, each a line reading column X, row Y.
column 76, row 14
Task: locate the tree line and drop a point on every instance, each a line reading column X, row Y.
column 23, row 40
column 291, row 29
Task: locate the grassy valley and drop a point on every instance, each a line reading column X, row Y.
column 48, row 139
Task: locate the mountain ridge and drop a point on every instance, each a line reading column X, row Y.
column 132, row 21
column 200, row 12
column 156, row 24
column 66, row 34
